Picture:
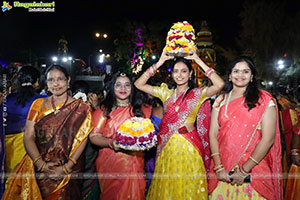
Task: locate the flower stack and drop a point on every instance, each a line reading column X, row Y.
column 181, row 39
column 136, row 134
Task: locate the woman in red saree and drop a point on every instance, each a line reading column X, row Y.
column 245, row 139
column 182, row 152
column 55, row 136
column 292, row 191
column 120, row 172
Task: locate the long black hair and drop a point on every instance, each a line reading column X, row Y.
column 27, row 77
column 188, row 63
column 135, row 98
column 252, row 92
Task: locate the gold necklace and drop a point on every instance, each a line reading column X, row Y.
column 175, row 98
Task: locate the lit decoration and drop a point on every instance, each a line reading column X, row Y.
column 139, row 53
column 205, row 51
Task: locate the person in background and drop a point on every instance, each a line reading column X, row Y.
column 120, row 171
column 90, row 189
column 56, row 134
column 17, row 105
column 245, row 139
column 182, row 152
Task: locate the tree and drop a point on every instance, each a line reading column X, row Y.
column 268, row 32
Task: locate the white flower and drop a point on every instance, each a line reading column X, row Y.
column 80, row 95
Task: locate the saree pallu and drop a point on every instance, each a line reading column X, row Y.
column 121, row 174
column 15, row 150
column 57, row 138
column 180, row 167
column 239, row 133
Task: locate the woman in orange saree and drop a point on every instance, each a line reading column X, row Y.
column 55, row 136
column 120, row 172
column 245, row 139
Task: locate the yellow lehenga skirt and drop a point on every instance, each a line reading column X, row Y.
column 15, row 150
column 179, row 172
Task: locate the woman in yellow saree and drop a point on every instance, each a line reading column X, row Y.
column 120, row 172
column 55, row 136
column 182, row 150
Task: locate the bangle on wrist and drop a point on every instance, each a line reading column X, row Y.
column 37, row 159
column 295, row 154
column 42, row 167
column 255, row 161
column 67, row 169
column 219, row 170
column 209, row 72
column 214, row 154
column 244, row 171
column 73, row 160
column 240, row 173
column 218, row 167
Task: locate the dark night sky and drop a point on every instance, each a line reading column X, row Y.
column 78, row 22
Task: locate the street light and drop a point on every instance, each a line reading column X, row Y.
column 105, row 35
column 97, row 35
column 64, row 59
column 280, row 64
column 54, row 58
column 101, row 58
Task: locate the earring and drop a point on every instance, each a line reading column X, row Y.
column 251, row 80
column 229, row 79
column 190, row 78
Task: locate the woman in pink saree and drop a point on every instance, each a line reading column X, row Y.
column 245, row 139
column 120, row 172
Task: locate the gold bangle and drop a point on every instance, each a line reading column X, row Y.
column 65, row 170
column 43, row 166
column 251, row 158
column 218, row 167
column 73, row 160
column 214, row 154
column 219, row 170
column 68, row 170
column 36, row 159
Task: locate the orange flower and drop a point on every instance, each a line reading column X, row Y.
column 133, row 133
column 147, row 130
column 139, row 132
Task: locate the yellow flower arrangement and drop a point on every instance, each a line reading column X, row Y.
column 127, row 124
column 136, row 125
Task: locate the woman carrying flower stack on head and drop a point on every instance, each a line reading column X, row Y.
column 182, row 152
column 245, row 139
column 120, row 172
column 55, row 136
